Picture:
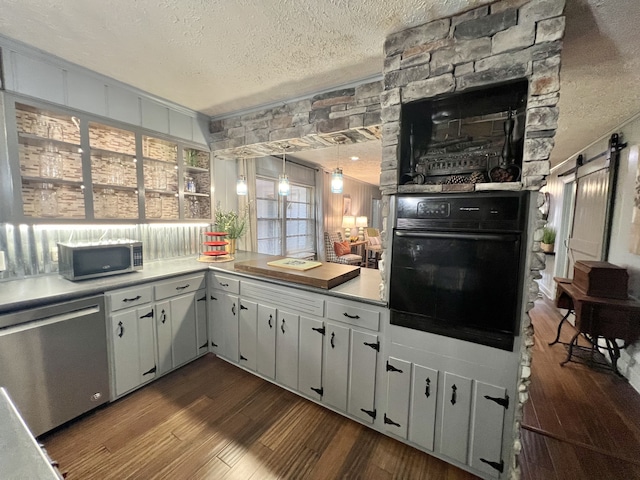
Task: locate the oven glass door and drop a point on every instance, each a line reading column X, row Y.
column 464, row 285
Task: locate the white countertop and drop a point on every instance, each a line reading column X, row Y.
column 44, row 289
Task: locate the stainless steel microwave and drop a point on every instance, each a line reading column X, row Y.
column 80, row 261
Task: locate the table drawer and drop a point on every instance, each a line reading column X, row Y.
column 179, row 286
column 227, row 284
column 354, row 314
column 130, row 297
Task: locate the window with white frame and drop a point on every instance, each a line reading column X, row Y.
column 290, row 217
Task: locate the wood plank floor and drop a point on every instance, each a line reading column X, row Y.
column 580, row 423
column 211, row 420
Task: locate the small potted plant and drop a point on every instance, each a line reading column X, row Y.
column 548, row 239
column 233, row 223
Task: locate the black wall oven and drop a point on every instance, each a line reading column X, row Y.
column 457, row 265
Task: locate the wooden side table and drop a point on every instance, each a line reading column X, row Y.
column 599, row 317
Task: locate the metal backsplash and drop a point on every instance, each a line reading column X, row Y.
column 32, row 249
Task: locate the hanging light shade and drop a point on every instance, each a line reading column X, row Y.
column 283, row 180
column 337, row 182
column 241, row 185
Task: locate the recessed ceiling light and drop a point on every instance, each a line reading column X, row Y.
column 355, row 158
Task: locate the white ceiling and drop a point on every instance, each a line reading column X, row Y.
column 224, row 56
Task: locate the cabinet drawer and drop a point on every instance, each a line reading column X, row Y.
column 179, row 286
column 130, row 297
column 354, row 314
column 227, row 284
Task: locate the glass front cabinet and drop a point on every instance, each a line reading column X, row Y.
column 69, row 166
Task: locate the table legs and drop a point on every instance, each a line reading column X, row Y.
column 572, row 343
column 564, row 319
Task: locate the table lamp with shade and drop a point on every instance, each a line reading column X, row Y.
column 348, row 222
column 361, row 223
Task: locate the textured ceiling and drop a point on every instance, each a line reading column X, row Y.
column 223, row 56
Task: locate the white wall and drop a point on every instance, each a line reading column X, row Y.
column 618, row 253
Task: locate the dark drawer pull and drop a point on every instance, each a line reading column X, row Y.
column 120, row 329
column 131, row 299
column 223, row 284
column 182, row 288
column 353, row 317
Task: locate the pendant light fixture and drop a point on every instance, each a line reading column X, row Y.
column 337, row 182
column 241, row 185
column 283, row 180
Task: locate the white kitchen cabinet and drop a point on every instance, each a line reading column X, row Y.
column 248, row 334
column 133, row 342
column 336, row 365
column 490, row 403
column 362, row 375
column 266, row 343
column 310, row 357
column 201, row 322
column 184, row 339
column 287, row 349
column 456, row 416
column 396, row 416
column 162, row 314
column 223, row 315
column 422, row 418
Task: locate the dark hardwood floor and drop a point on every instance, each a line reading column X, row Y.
column 212, row 420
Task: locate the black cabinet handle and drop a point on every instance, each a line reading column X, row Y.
column 147, row 315
column 282, row 326
column 354, row 317
column 223, row 284
column 164, row 316
column 120, row 329
column 233, row 308
column 388, row 421
column 213, row 298
column 427, row 389
column 242, row 307
column 270, row 321
column 333, row 336
column 204, row 345
column 182, row 288
column 202, row 299
column 149, row 372
column 131, row 299
column 242, row 357
column 453, row 394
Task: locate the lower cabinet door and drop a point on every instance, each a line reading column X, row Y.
column 362, row 375
column 266, row 347
column 125, row 351
column 422, row 420
column 248, row 333
column 336, row 366
column 216, row 326
column 456, row 413
column 488, row 421
column 229, row 320
column 310, row 357
column 147, row 343
column 201, row 322
column 163, row 330
column 398, row 385
column 184, row 346
column 287, row 349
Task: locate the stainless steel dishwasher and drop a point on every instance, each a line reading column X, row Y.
column 53, row 361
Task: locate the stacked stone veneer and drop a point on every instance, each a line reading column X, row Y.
column 508, row 40
column 348, row 115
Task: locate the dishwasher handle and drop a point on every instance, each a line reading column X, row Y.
column 83, row 312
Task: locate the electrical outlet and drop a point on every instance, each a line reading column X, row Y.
column 3, row 262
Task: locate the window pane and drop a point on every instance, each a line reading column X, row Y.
column 266, row 188
column 270, row 246
column 267, row 208
column 298, row 210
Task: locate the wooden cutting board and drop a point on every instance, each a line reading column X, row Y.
column 326, row 276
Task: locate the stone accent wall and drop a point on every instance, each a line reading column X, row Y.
column 353, row 114
column 508, row 40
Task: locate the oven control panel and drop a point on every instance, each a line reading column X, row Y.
column 431, row 209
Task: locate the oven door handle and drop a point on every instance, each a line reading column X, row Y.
column 499, row 237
